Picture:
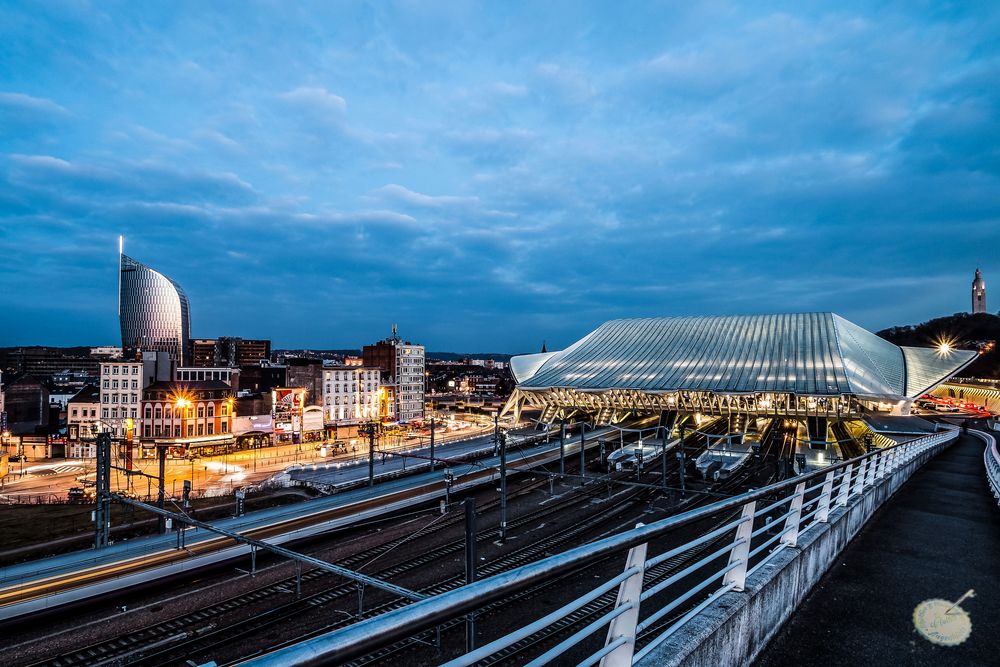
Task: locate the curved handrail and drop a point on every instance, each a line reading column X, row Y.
column 991, row 459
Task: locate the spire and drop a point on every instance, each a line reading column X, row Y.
column 978, row 293
column 543, row 347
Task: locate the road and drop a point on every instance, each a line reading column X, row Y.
column 49, row 480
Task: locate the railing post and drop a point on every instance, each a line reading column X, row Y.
column 845, row 487
column 791, row 533
column 872, row 470
column 859, row 479
column 737, row 577
column 629, row 593
column 823, row 511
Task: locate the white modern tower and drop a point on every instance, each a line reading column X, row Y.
column 153, row 310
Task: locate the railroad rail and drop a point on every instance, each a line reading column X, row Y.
column 755, row 536
column 93, row 573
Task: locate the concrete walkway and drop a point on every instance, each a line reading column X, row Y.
column 936, row 538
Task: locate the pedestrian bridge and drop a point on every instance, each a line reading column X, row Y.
column 778, row 574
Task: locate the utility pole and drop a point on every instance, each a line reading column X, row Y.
column 680, row 455
column 503, row 487
column 583, row 454
column 371, row 454
column 470, row 568
column 665, row 432
column 432, row 444
column 162, row 521
column 562, row 448
column 102, row 515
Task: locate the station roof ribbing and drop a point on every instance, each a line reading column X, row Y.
column 819, row 354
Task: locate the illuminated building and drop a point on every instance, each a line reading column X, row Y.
column 350, row 394
column 184, row 415
column 402, row 367
column 153, row 310
column 807, row 365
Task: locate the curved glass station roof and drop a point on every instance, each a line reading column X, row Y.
column 803, row 353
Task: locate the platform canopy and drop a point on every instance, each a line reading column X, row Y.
column 803, row 354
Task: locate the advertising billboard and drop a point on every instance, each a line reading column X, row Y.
column 286, row 409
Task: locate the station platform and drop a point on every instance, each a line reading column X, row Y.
column 937, row 537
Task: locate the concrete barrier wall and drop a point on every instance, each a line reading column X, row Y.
column 737, row 626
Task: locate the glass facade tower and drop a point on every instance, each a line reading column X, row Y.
column 153, row 311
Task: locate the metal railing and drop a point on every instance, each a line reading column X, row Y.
column 751, row 529
column 991, row 458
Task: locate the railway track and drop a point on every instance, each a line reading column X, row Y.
column 208, row 642
column 587, row 613
column 204, row 625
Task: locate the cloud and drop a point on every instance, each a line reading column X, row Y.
column 406, row 196
column 23, row 102
column 315, row 100
column 543, row 169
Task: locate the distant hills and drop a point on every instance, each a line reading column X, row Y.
column 967, row 331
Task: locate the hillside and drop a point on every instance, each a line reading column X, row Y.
column 966, row 330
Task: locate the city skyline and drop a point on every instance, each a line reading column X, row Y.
column 489, row 177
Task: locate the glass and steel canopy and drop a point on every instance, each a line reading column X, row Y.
column 806, row 354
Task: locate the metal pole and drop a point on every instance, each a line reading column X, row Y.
column 432, row 444
column 583, row 454
column 663, row 462
column 682, row 466
column 162, row 521
column 102, row 517
column 470, row 568
column 371, row 454
column 503, row 488
column 562, row 447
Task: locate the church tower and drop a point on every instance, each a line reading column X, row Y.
column 978, row 294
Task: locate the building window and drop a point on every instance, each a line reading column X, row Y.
column 148, row 412
column 190, row 430
column 135, row 412
column 211, row 410
column 201, row 429
column 104, row 413
column 146, row 430
column 211, row 429
column 114, row 413
column 156, row 413
column 225, row 410
column 177, row 431
column 135, row 370
column 107, row 370
column 114, row 370
column 224, row 428
column 156, row 430
column 106, row 384
column 74, row 412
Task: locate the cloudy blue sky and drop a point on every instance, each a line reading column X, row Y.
column 492, row 175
